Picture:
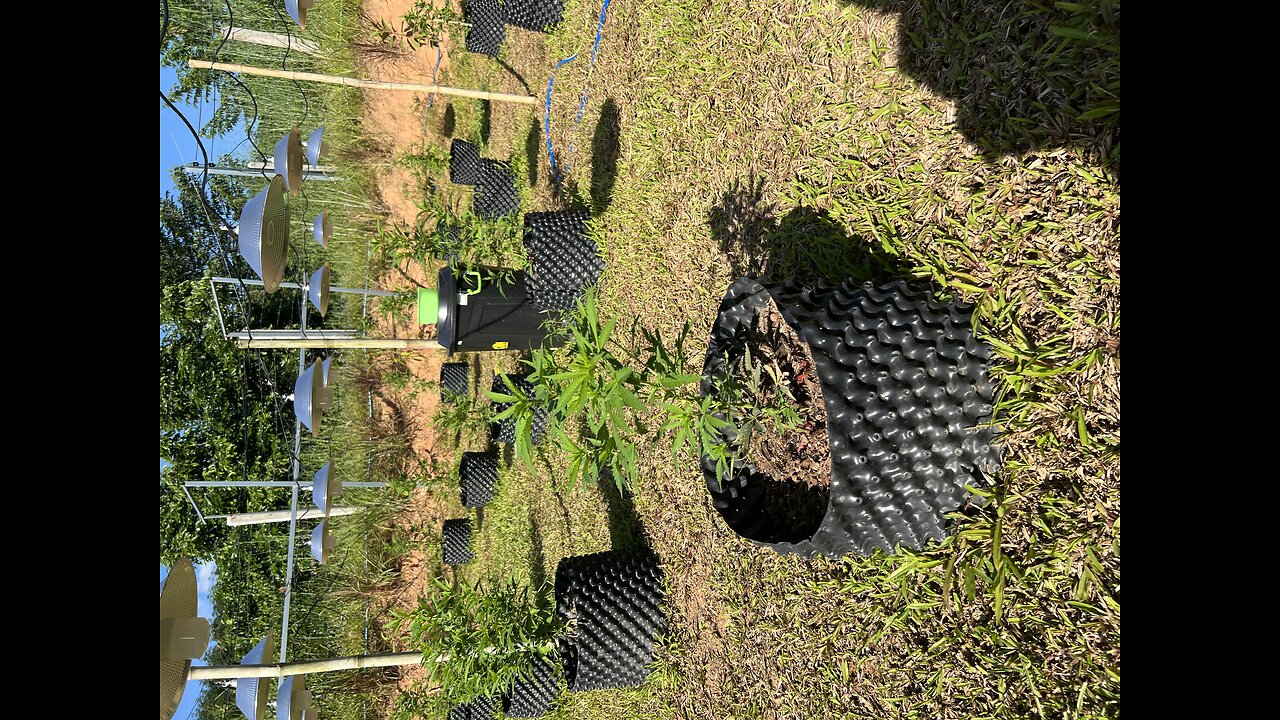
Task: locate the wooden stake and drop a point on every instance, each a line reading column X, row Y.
column 304, row 668
column 370, row 84
column 229, row 672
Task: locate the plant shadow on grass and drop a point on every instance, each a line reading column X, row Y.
column 1023, row 77
column 486, row 119
column 805, row 244
column 625, row 528
column 538, row 562
column 604, row 155
column 450, row 121
column 605, row 150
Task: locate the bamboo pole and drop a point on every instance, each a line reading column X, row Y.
column 356, row 662
column 369, row 84
column 304, row 668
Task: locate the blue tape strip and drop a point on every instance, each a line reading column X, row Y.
column 594, row 49
column 582, row 104
column 432, row 97
column 551, row 154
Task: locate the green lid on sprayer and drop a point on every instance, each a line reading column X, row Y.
column 428, row 306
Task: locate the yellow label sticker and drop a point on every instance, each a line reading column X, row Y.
column 500, row 345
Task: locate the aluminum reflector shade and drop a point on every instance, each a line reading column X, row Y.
column 322, row 229
column 318, row 289
column 297, row 10
column 311, row 396
column 293, row 699
column 288, row 156
column 322, row 541
column 325, row 488
column 251, row 693
column 177, row 604
column 264, row 233
column 316, row 146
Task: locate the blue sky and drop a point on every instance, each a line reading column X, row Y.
column 177, row 147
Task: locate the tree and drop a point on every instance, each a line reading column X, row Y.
column 221, row 418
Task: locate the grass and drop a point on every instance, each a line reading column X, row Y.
column 812, row 138
column 790, row 137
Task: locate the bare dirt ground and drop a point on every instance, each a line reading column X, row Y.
column 395, row 120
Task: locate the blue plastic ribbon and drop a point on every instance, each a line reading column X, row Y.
column 594, row 49
column 551, row 155
column 432, row 97
column 583, row 103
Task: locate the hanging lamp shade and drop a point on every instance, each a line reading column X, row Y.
column 251, row 693
column 183, row 635
column 312, row 396
column 293, row 701
column 264, row 233
column 318, row 289
column 325, row 488
column 297, row 10
column 316, row 146
column 326, row 366
column 288, row 159
column 322, row 229
column 322, row 541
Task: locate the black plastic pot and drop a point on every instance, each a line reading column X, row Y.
column 535, row 695
column 453, row 381
column 456, row 542
column 536, row 15
column 614, row 604
column 464, row 162
column 478, row 475
column 488, row 26
column 563, row 258
column 484, row 708
column 495, row 196
column 475, row 315
column 905, row 387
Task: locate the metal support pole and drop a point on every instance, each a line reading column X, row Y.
column 268, row 484
column 213, row 169
column 243, row 341
column 304, row 668
column 296, row 286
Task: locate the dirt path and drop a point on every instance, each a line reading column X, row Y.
column 395, row 121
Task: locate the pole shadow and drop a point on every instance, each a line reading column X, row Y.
column 605, row 148
column 538, row 565
column 450, row 121
column 532, row 151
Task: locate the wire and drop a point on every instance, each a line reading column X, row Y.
column 164, row 26
column 288, row 32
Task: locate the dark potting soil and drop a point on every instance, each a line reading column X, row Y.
column 798, row 460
